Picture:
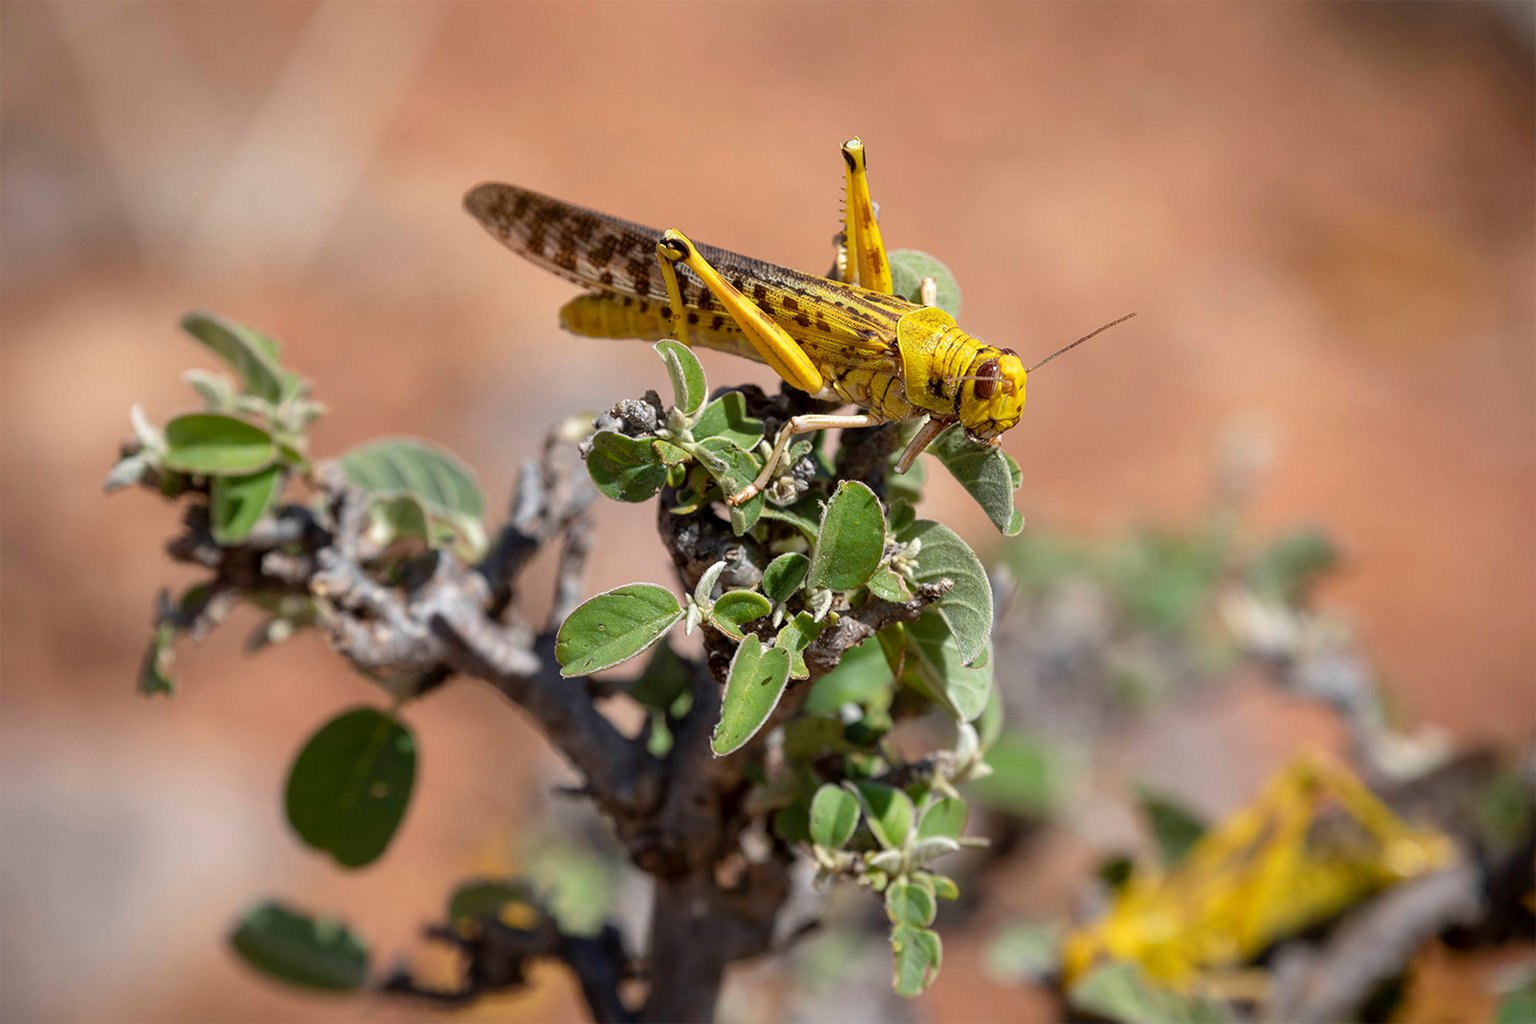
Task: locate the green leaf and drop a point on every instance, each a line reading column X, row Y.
column 614, row 626
column 967, row 608
column 803, row 515
column 155, row 670
column 726, row 417
column 987, row 474
column 665, row 677
column 485, row 897
column 756, row 681
column 1289, row 565
column 733, row 469
column 252, row 355
column 625, row 468
column 935, row 668
column 1175, row 826
column 907, row 903
column 1029, row 777
column 290, row 946
column 863, row 677
column 237, row 503
column 796, row 635
column 735, row 608
column 688, row 382
column 889, row 813
column 350, row 785
column 910, row 266
column 834, row 816
column 851, row 540
column 1519, row 1005
column 782, row 578
column 943, row 817
column 888, row 585
column 216, row 445
column 1122, row 992
column 434, row 476
column 917, row 955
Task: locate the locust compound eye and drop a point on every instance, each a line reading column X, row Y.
column 986, row 379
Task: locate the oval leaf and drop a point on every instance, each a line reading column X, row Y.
column 736, row 608
column 688, row 382
column 934, row 668
column 625, row 468
column 291, row 946
column 987, row 474
column 217, row 445
column 889, row 812
column 967, row 608
column 834, row 816
column 917, row 953
column 851, row 540
column 433, row 475
column 237, row 503
column 784, row 575
column 248, row 352
column 943, row 817
column 910, row 904
column 733, row 468
column 910, row 266
column 351, row 783
column 613, row 627
column 726, row 417
column 752, row 690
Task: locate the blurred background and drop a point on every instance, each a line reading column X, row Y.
column 1324, row 216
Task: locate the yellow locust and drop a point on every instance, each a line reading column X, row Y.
column 846, row 338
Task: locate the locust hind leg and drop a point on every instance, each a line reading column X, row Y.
column 771, row 342
column 865, row 261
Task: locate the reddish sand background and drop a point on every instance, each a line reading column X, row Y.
column 1324, row 216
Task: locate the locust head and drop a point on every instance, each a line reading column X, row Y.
column 993, row 395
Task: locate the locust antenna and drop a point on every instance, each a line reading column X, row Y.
column 1079, row 341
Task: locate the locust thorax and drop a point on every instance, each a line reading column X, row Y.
column 993, row 396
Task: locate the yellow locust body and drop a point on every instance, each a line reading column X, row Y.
column 893, row 358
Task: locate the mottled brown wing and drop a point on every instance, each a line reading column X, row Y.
column 603, row 252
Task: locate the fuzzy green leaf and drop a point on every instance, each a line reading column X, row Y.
column 733, row 468
column 782, row 578
column 851, row 539
column 434, row 476
column 237, row 503
column 910, row 904
column 967, row 608
column 688, row 382
column 918, row 954
column 625, row 468
column 910, row 266
column 834, row 816
column 155, row 670
column 726, row 417
column 1121, row 991
column 614, row 626
column 664, row 678
column 943, row 817
column 484, row 898
column 1175, row 827
column 889, row 586
column 987, row 474
column 252, row 355
column 796, row 635
column 889, row 813
column 756, row 681
column 350, row 785
column 216, row 445
column 934, row 667
column 735, row 608
column 289, row 945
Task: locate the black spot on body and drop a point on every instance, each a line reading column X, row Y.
column 803, row 320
